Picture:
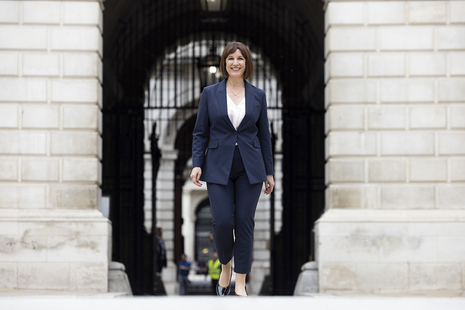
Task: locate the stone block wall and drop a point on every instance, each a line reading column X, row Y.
column 52, row 236
column 398, row 252
column 395, row 146
column 395, row 92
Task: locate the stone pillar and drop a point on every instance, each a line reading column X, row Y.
column 165, row 215
column 52, row 236
column 395, row 148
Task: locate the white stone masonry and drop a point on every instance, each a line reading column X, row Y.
column 52, row 237
column 395, row 120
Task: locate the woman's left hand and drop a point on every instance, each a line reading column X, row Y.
column 269, row 184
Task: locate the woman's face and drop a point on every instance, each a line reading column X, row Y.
column 235, row 64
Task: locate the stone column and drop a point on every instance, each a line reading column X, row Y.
column 52, row 235
column 395, row 148
column 165, row 214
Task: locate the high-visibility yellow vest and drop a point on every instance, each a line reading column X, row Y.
column 214, row 269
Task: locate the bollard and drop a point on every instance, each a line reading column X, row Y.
column 118, row 281
column 307, row 283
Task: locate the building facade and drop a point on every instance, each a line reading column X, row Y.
column 394, row 95
column 395, row 172
column 53, row 237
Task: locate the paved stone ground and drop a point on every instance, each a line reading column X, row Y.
column 323, row 302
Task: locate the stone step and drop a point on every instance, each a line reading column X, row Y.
column 327, row 302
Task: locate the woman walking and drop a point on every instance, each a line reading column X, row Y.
column 231, row 152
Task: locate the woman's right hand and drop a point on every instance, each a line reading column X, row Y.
column 195, row 176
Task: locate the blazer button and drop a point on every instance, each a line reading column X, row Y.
column 235, row 132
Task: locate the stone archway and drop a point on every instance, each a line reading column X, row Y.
column 290, row 34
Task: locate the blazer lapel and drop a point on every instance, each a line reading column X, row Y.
column 249, row 101
column 222, row 103
column 221, row 100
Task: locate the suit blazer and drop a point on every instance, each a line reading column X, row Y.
column 214, row 136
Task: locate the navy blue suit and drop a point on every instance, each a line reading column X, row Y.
column 234, row 164
column 252, row 136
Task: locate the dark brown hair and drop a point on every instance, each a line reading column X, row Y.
column 230, row 49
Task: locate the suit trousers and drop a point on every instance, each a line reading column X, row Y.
column 233, row 210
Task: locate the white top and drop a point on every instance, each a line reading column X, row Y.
column 236, row 113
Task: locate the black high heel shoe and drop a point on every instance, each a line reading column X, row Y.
column 223, row 291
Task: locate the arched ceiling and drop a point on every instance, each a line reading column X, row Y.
column 137, row 32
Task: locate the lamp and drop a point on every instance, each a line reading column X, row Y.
column 209, row 67
column 214, row 5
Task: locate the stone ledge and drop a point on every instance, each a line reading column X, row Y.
column 50, row 215
column 353, row 215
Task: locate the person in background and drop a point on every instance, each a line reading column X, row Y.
column 214, row 270
column 184, row 267
column 161, row 250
